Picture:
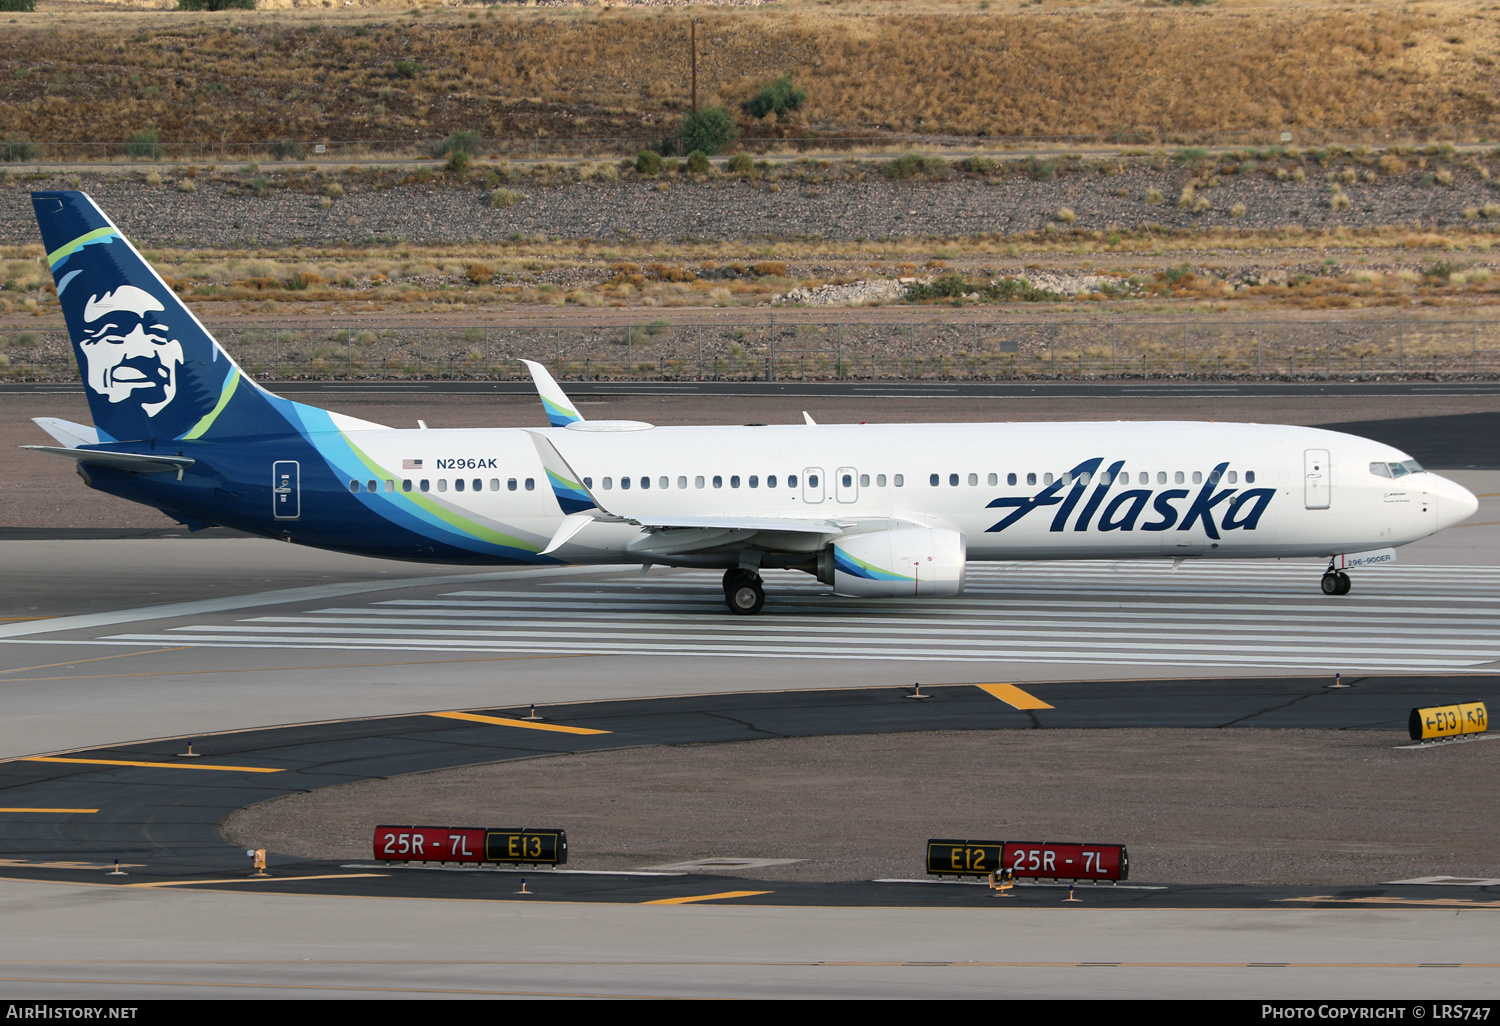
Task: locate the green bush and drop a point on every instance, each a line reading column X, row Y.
column 912, row 165
column 17, row 5
column 1188, row 154
column 648, row 162
column 740, row 164
column 406, row 69
column 144, row 146
column 18, row 147
column 286, row 149
column 216, row 5
column 949, row 286
column 697, row 163
column 711, row 130
column 978, row 165
column 779, row 96
column 462, row 141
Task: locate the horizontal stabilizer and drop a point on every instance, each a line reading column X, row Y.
column 120, row 460
column 66, row 432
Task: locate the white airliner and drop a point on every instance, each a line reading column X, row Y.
column 870, row 510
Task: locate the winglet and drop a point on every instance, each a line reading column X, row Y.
column 573, row 496
column 560, row 410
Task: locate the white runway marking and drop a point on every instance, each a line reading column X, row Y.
column 1262, row 615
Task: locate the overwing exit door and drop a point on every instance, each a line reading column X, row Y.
column 1315, row 478
column 286, row 490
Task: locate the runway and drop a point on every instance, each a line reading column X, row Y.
column 1125, row 616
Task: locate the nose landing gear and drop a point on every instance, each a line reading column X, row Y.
column 1336, row 582
column 743, row 591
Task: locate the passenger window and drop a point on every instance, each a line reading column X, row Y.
column 625, row 482
column 933, row 480
column 1197, row 477
column 1213, row 477
column 588, row 482
column 1010, row 479
column 1178, row 478
column 354, row 486
column 1161, row 477
column 390, row 485
column 645, row 482
column 495, row 484
column 771, row 481
column 681, row 482
column 812, row 480
column 1144, row 477
column 424, row 485
column 864, row 480
column 734, row 480
column 511, row 484
column 664, row 482
column 754, row 481
column 994, row 479
column 442, row 484
column 1031, row 479
column 899, row 480
column 371, row 486
column 1249, row 477
column 953, row 480
column 718, row 481
column 609, row 483
column 791, row 480
column 848, row 480
column 458, row 485
column 879, row 480
column 406, row 485
column 1234, row 476
column 479, row 484
column 531, row 484
column 1046, row 479
column 698, row 481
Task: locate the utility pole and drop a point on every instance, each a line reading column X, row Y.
column 694, row 47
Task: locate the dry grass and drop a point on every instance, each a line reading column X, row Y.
column 944, row 67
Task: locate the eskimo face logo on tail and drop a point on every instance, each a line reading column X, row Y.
column 129, row 349
column 1236, row 509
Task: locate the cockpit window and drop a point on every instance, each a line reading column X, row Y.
column 1396, row 469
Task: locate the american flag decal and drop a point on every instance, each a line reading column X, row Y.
column 411, row 464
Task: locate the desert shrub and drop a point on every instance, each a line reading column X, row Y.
column 1188, row 154
column 187, row 185
column 1443, row 270
column 769, row 268
column 17, row 5
column 152, row 178
column 1338, row 201
column 406, row 69
column 1066, row 215
column 648, row 162
column 18, row 147
column 697, row 163
column 949, row 286
column 1154, row 196
column 1392, row 165
column 287, row 149
column 711, row 130
column 740, row 164
column 1010, row 290
column 1041, row 170
column 1238, row 210
column 216, row 5
column 458, row 162
column 912, row 165
column 260, row 185
column 144, row 146
column 779, row 97
column 500, row 198
column 478, row 273
column 978, row 165
column 333, row 190
column 461, row 141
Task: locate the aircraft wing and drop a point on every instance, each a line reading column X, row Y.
column 120, row 460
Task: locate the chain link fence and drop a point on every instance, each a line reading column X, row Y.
column 1267, row 350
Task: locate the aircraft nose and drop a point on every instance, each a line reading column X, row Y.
column 1455, row 502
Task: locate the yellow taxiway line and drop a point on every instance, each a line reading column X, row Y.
column 1013, row 696
column 704, row 897
column 501, row 721
column 50, row 810
column 152, row 765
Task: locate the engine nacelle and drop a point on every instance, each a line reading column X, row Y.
column 906, row 561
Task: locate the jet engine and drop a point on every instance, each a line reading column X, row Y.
column 904, row 561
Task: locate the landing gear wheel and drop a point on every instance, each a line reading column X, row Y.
column 743, row 592
column 1336, row 582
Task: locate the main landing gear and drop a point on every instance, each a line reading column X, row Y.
column 1335, row 582
column 743, row 592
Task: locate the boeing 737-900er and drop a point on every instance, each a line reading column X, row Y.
column 868, row 509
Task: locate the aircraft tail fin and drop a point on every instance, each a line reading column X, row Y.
column 150, row 369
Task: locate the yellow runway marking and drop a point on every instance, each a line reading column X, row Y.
column 254, row 879
column 501, row 721
column 704, row 897
column 73, row 662
column 49, row 810
column 153, row 765
column 1013, row 696
column 12, row 619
